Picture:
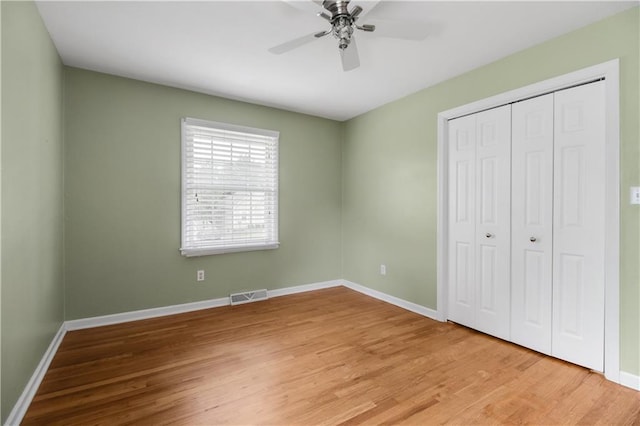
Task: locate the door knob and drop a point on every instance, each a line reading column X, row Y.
column 489, row 235
column 532, row 239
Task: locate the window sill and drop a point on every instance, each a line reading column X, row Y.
column 223, row 250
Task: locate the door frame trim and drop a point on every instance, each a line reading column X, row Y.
column 610, row 72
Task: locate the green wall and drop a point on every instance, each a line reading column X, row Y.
column 122, row 198
column 390, row 178
column 32, row 212
column 352, row 195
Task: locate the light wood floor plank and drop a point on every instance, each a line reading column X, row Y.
column 328, row 357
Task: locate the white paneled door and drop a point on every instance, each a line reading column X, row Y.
column 527, row 223
column 532, row 219
column 479, row 214
column 462, row 219
column 578, row 225
column 493, row 220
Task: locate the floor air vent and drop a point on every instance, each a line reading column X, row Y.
column 248, row 296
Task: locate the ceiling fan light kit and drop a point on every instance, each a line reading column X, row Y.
column 343, row 26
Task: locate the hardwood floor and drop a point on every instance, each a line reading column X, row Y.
column 327, row 357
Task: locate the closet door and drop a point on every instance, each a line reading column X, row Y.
column 578, row 220
column 462, row 221
column 531, row 228
column 479, row 220
column 493, row 221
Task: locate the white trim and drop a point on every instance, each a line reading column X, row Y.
column 630, row 380
column 21, row 406
column 222, row 250
column 231, row 127
column 610, row 72
column 404, row 304
column 606, row 70
column 100, row 321
column 442, row 293
column 303, row 288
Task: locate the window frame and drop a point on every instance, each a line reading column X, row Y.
column 205, row 251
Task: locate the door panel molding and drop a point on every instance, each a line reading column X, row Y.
column 532, row 210
column 578, row 226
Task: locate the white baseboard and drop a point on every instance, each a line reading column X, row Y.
column 21, row 406
column 144, row 314
column 630, row 380
column 409, row 306
column 184, row 307
column 303, row 288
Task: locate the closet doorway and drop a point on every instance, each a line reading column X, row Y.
column 480, row 222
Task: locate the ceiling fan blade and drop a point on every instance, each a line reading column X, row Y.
column 292, row 44
column 405, row 30
column 350, row 57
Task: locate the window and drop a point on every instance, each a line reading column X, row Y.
column 229, row 188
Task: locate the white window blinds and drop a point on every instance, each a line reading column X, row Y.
column 229, row 188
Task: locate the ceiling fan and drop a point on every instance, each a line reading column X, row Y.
column 343, row 26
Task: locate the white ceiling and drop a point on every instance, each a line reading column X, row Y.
column 220, row 47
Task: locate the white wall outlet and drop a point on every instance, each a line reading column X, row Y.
column 635, row 195
column 383, row 269
column 200, row 275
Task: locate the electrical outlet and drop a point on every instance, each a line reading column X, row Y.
column 383, row 269
column 635, row 195
column 200, row 275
